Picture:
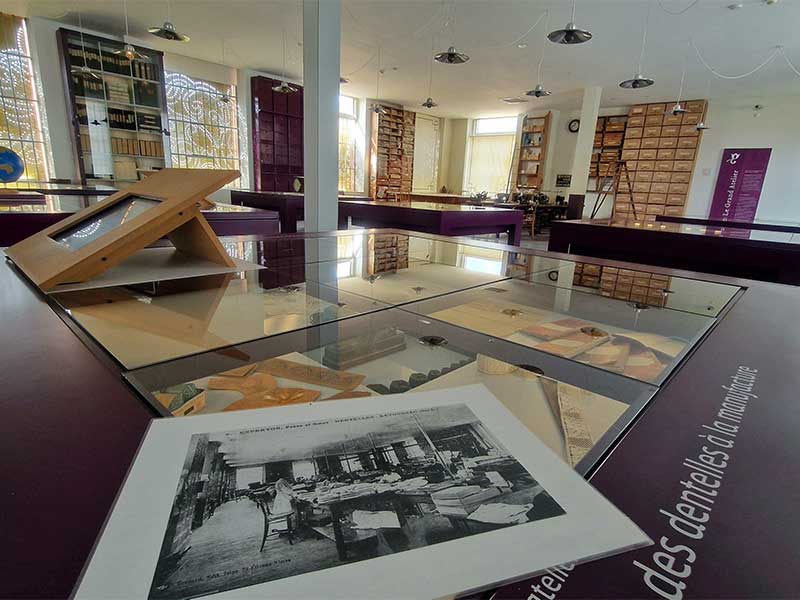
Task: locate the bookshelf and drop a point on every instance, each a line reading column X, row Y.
column 118, row 114
column 532, row 151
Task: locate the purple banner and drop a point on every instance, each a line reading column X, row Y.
column 739, row 183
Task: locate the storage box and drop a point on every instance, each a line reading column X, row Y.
column 684, row 153
column 634, row 132
column 670, row 131
column 687, row 142
column 651, row 142
column 672, row 120
column 668, row 142
column 635, row 122
column 660, row 188
column 648, row 154
column 656, row 109
column 651, row 132
column 680, row 177
column 639, row 109
column 689, row 131
column 666, row 154
column 664, row 165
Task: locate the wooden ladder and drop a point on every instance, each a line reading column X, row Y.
column 619, row 168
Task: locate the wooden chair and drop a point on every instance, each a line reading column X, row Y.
column 271, row 519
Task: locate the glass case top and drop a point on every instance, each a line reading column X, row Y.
column 394, row 351
column 640, row 341
column 153, row 322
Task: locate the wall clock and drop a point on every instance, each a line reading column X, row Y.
column 574, row 125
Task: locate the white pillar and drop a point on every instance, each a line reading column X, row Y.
column 321, row 39
column 585, row 141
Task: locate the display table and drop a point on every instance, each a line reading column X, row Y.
column 73, row 424
column 19, row 221
column 765, row 255
column 288, row 205
column 429, row 217
column 440, row 197
column 65, row 189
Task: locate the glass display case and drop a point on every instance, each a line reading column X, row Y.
column 577, row 412
column 315, row 320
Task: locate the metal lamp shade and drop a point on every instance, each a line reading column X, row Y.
column 168, row 32
column 429, row 103
column 451, row 57
column 569, row 35
column 637, row 82
column 538, row 91
column 284, row 88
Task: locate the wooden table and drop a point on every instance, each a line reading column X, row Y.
column 288, row 205
column 735, row 251
column 19, row 221
column 338, row 507
column 440, row 197
column 429, row 217
column 65, row 189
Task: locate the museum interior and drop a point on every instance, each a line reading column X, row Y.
column 215, row 212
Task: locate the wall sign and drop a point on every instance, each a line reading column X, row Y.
column 563, row 180
column 739, row 183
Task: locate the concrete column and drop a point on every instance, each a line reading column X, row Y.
column 585, row 141
column 321, row 40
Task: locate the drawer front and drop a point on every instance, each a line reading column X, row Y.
column 678, row 188
column 661, row 177
column 635, row 122
column 630, row 154
column 645, row 165
column 664, row 165
column 657, row 199
column 639, row 198
column 680, row 177
column 631, row 143
column 651, row 132
column 684, row 166
column 684, row 154
column 696, row 106
column 674, row 211
column 676, row 199
column 687, row 142
column 668, row 142
column 660, row 188
column 672, row 120
column 653, row 120
column 641, row 186
column 651, row 143
column 648, row 154
column 691, row 118
column 633, row 132
column 654, row 209
column 688, row 131
column 670, row 130
column 637, row 110
column 666, row 154
column 656, row 109
column 644, row 176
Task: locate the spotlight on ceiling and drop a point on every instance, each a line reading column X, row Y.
column 429, row 103
column 522, row 45
column 451, row 57
column 538, row 91
column 284, row 88
column 343, row 80
column 637, row 82
column 168, row 32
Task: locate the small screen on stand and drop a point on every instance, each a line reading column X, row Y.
column 99, row 224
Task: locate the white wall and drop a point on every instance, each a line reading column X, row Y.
column 733, row 126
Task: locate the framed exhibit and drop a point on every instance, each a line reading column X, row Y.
column 84, row 245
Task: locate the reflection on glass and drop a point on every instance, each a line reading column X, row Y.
column 103, row 222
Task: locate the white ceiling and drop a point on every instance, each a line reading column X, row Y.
column 732, row 41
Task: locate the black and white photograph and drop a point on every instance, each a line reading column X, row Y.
column 266, row 503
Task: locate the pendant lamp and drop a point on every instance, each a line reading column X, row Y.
column 678, row 108
column 429, row 103
column 539, row 90
column 376, row 107
column 639, row 81
column 83, row 70
column 570, row 34
column 128, row 50
column 167, row 30
column 451, row 57
column 284, row 87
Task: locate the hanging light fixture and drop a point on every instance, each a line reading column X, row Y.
column 167, row 30
column 83, row 70
column 128, row 50
column 376, row 107
column 539, row 90
column 225, row 98
column 678, row 108
column 283, row 87
column 451, row 56
column 701, row 126
column 343, row 80
column 570, row 34
column 639, row 81
column 429, row 103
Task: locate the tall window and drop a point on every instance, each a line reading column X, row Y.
column 351, row 146
column 21, row 122
column 490, row 154
column 203, row 124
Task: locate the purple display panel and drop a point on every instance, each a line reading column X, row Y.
column 739, row 183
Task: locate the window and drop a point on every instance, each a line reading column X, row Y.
column 490, row 154
column 203, row 124
column 21, row 122
column 351, row 146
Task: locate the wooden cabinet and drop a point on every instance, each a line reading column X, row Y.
column 277, row 136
